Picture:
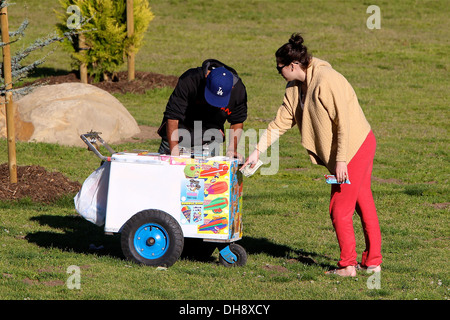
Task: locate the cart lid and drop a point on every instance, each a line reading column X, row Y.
column 154, row 159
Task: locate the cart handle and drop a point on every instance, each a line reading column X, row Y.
column 91, row 139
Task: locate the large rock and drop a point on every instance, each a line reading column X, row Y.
column 60, row 113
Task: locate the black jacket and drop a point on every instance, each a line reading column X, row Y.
column 187, row 102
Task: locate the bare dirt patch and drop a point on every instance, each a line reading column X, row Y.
column 443, row 205
column 390, row 181
column 146, row 133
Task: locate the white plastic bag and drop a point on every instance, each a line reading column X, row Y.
column 90, row 201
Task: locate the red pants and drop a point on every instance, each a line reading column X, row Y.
column 346, row 198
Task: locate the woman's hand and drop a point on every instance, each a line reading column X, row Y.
column 341, row 171
column 252, row 159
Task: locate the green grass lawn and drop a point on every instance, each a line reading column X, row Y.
column 400, row 74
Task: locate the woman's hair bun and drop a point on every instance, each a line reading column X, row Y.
column 296, row 40
column 294, row 50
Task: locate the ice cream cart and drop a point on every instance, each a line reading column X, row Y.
column 155, row 201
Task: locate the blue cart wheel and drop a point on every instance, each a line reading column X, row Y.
column 233, row 256
column 151, row 241
column 153, row 238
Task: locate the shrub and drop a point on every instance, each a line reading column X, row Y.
column 104, row 28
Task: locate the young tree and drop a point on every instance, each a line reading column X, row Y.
column 19, row 71
column 13, row 71
column 107, row 46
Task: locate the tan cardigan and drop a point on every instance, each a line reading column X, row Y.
column 332, row 124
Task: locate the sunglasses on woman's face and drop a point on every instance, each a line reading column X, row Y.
column 281, row 68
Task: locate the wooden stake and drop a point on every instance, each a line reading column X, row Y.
column 130, row 32
column 83, row 67
column 82, row 48
column 10, row 128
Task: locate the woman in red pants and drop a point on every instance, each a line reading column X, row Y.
column 336, row 134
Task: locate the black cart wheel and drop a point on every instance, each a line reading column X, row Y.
column 239, row 252
column 153, row 238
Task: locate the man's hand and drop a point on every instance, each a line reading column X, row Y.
column 172, row 136
column 235, row 136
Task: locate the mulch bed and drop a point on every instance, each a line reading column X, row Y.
column 39, row 185
column 143, row 81
column 35, row 183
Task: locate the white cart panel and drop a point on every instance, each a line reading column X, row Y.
column 203, row 195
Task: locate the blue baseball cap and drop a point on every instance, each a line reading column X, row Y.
column 219, row 83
